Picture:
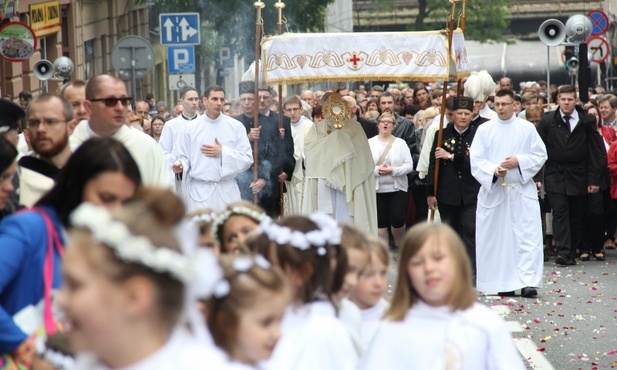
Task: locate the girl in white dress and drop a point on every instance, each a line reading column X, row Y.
column 244, row 315
column 434, row 321
column 127, row 285
column 313, row 338
column 372, row 285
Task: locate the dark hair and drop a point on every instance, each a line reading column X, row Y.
column 187, row 89
column 212, row 88
column 93, row 157
column 25, row 95
column 409, row 109
column 566, row 89
column 385, row 94
column 504, row 92
column 8, row 153
column 317, row 111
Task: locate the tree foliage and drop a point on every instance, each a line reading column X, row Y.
column 233, row 21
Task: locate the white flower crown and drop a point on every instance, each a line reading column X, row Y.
column 328, row 232
column 206, row 217
column 236, row 211
column 57, row 359
column 240, row 264
column 201, row 270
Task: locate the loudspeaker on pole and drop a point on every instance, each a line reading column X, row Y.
column 552, row 32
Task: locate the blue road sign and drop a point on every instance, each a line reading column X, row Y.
column 225, row 57
column 600, row 22
column 179, row 29
column 181, row 59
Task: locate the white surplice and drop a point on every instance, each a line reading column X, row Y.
column 212, row 180
column 371, row 317
column 312, row 338
column 181, row 352
column 509, row 247
column 295, row 184
column 143, row 148
column 434, row 338
column 171, row 130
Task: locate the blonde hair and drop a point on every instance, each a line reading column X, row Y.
column 379, row 247
column 153, row 213
column 371, row 114
column 429, row 114
column 223, row 314
column 462, row 294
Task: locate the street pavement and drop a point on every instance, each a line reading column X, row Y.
column 572, row 324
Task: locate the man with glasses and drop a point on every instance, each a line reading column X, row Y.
column 506, row 154
column 275, row 160
column 189, row 98
column 49, row 123
column 107, row 104
column 210, row 153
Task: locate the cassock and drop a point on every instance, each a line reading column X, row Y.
column 143, row 148
column 275, row 155
column 431, row 338
column 212, row 180
column 339, row 175
column 312, row 338
column 171, row 130
column 296, row 182
column 509, row 246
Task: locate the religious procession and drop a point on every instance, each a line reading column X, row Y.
column 371, row 222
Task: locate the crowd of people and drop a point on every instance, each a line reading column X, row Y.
column 257, row 233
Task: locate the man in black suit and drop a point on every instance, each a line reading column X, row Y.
column 572, row 171
column 457, row 189
column 275, row 153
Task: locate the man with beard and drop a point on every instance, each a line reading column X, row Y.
column 49, row 122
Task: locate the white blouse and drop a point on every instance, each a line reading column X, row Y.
column 399, row 158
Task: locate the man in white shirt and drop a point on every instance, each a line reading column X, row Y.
column 107, row 105
column 608, row 105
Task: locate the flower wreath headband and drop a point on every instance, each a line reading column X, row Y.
column 206, row 217
column 328, row 232
column 236, row 211
column 201, row 270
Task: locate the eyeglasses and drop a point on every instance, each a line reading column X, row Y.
column 502, row 104
column 112, row 102
column 247, row 99
column 35, row 123
column 7, row 177
column 388, row 122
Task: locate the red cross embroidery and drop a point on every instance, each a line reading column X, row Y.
column 354, row 59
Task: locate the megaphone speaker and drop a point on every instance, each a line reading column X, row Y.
column 552, row 32
column 578, row 28
column 63, row 67
column 43, row 70
column 572, row 64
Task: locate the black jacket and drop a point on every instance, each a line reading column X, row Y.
column 457, row 186
column 575, row 159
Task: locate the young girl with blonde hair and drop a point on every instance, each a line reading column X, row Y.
column 128, row 285
column 435, row 321
column 244, row 315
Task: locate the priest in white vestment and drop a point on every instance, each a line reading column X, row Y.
column 339, row 179
column 506, row 154
column 212, row 150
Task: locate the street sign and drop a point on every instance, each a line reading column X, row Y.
column 225, row 57
column 181, row 59
column 179, row 82
column 179, row 29
column 598, row 48
column 600, row 22
column 133, row 58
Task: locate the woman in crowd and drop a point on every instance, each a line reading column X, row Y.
column 392, row 164
column 136, row 121
column 101, row 171
column 421, row 97
column 157, row 127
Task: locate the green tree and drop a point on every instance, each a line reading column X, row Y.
column 486, row 19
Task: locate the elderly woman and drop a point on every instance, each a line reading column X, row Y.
column 392, row 164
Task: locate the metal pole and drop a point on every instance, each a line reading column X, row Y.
column 258, row 5
column 548, row 75
column 133, row 77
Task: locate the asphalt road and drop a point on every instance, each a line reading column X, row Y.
column 572, row 324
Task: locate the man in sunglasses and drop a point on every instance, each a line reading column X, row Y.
column 107, row 103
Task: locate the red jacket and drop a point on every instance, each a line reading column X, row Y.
column 612, row 167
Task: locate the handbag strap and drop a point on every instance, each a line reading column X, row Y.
column 385, row 151
column 48, row 269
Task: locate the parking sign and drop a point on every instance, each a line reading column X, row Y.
column 181, row 59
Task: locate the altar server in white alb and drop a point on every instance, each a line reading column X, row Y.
column 506, row 154
column 107, row 105
column 212, row 150
column 435, row 321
